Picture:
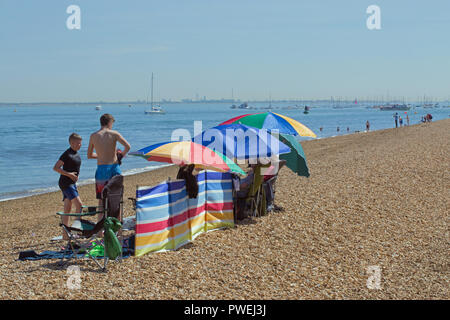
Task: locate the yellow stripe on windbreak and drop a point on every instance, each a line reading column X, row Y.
column 180, row 229
column 173, row 232
column 302, row 130
column 198, row 221
column 152, row 239
column 224, row 215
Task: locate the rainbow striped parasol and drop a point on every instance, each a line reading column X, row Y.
column 273, row 121
column 188, row 152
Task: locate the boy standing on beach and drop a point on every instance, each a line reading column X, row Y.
column 70, row 161
column 108, row 157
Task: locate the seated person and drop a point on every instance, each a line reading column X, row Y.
column 185, row 172
column 245, row 183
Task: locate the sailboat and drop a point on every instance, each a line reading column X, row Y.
column 154, row 109
column 306, row 111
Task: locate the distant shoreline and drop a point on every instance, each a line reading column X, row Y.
column 189, row 101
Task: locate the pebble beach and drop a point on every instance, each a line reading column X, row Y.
column 378, row 199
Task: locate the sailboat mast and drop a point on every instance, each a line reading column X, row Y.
column 152, row 92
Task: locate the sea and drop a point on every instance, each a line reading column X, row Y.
column 34, row 136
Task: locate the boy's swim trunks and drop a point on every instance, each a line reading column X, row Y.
column 103, row 174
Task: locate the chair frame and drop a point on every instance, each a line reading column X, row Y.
column 77, row 238
column 75, row 235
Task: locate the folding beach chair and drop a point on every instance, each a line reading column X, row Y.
column 269, row 186
column 256, row 195
column 249, row 197
column 82, row 233
column 241, row 189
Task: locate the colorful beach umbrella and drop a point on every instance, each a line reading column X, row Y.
column 295, row 160
column 238, row 141
column 188, row 152
column 272, row 121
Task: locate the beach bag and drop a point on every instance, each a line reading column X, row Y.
column 112, row 244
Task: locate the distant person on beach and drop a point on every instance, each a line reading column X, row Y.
column 337, row 129
column 348, row 129
column 407, row 120
column 108, row 157
column 320, row 129
column 396, row 119
column 68, row 166
column 367, row 125
column 400, row 120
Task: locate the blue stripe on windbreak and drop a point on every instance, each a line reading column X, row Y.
column 157, row 189
column 211, row 175
column 153, row 216
column 201, row 176
column 154, row 213
column 224, row 185
column 219, row 197
column 197, row 202
column 165, row 213
column 166, row 198
column 161, row 200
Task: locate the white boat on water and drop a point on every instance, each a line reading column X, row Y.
column 154, row 109
column 98, row 108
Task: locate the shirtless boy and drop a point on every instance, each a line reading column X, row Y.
column 104, row 143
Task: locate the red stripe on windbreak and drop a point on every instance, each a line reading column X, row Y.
column 219, row 206
column 161, row 225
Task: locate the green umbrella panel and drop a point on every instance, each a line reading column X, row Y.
column 295, row 160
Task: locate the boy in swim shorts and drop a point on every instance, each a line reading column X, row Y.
column 68, row 166
column 108, row 156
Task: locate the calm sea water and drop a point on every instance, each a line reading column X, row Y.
column 33, row 137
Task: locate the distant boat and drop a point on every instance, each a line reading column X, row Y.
column 306, row 111
column 98, row 108
column 243, row 106
column 154, row 109
column 394, row 107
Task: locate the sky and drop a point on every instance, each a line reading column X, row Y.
column 245, row 49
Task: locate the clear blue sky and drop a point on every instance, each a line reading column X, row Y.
column 258, row 48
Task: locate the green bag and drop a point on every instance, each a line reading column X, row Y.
column 96, row 251
column 113, row 248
